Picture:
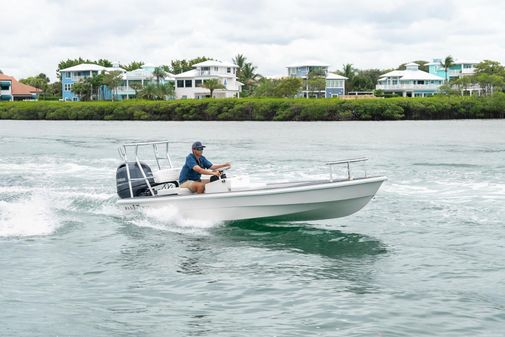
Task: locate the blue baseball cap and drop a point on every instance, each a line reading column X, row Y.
column 197, row 145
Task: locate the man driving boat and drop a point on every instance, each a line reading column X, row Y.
column 196, row 165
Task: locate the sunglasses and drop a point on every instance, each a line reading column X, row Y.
column 199, row 148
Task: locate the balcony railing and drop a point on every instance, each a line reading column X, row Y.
column 125, row 90
column 407, row 86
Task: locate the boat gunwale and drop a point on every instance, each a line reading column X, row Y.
column 264, row 190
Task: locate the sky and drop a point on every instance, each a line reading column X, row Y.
column 272, row 34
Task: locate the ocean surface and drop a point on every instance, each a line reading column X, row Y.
column 426, row 257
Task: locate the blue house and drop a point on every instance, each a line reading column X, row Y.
column 142, row 76
column 72, row 75
column 335, row 84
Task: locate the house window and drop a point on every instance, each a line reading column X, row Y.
column 188, row 83
column 228, row 70
column 180, row 83
column 67, row 75
column 216, row 69
column 198, row 83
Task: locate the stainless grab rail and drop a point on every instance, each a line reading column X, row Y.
column 123, row 153
column 348, row 162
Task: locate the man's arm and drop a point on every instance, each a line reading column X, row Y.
column 200, row 170
column 218, row 166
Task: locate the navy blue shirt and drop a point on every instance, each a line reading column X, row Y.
column 187, row 172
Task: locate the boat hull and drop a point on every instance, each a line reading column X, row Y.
column 325, row 200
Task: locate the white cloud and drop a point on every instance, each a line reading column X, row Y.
column 38, row 34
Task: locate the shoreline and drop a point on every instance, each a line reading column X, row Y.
column 263, row 109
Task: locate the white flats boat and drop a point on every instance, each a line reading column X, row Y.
column 229, row 199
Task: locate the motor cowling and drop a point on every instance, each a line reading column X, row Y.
column 139, row 185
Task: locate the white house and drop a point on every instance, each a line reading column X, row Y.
column 410, row 82
column 190, row 83
column 141, row 76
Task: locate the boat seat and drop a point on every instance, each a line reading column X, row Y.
column 174, row 191
column 167, row 175
column 184, row 191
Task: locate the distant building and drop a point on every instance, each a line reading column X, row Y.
column 190, row 83
column 410, row 82
column 12, row 90
column 335, row 84
column 143, row 76
column 72, row 75
column 459, row 69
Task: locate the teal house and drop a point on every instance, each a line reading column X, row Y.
column 459, row 69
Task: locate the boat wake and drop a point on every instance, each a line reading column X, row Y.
column 28, row 217
column 168, row 218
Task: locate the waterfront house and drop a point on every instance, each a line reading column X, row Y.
column 190, row 83
column 459, row 69
column 141, row 77
column 72, row 75
column 12, row 90
column 334, row 84
column 410, row 82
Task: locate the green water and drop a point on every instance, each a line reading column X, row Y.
column 424, row 258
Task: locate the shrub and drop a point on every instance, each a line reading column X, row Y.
column 264, row 109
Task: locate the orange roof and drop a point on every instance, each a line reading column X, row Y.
column 18, row 88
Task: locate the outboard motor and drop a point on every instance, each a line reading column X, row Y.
column 139, row 186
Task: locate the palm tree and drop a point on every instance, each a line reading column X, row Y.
column 447, row 63
column 212, row 85
column 248, row 77
column 158, row 72
column 349, row 72
column 149, row 91
column 240, row 61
